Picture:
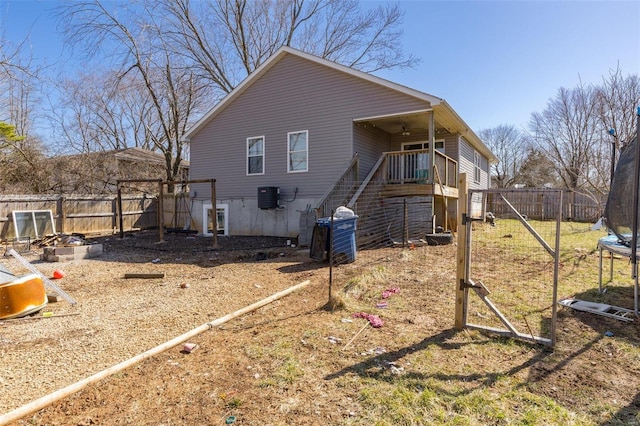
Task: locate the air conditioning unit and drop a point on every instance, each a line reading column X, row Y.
column 268, row 197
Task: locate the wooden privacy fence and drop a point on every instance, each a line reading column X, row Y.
column 543, row 205
column 84, row 214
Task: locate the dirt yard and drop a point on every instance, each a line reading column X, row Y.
column 294, row 361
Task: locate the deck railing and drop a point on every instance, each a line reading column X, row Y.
column 414, row 167
column 341, row 190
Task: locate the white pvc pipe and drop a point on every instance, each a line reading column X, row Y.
column 46, row 400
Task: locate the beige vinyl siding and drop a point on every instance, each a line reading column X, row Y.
column 466, row 165
column 416, row 136
column 450, row 145
column 294, row 95
column 369, row 142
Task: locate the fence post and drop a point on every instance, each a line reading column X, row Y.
column 539, row 207
column 161, row 210
column 461, row 292
column 331, row 236
column 114, row 214
column 405, row 229
column 120, row 220
column 61, row 214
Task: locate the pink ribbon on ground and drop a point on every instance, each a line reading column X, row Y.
column 387, row 293
column 374, row 320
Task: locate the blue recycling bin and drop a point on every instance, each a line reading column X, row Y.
column 344, row 238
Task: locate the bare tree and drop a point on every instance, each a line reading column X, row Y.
column 171, row 88
column 21, row 152
column 574, row 130
column 102, row 111
column 510, row 147
column 566, row 132
column 618, row 98
column 226, row 40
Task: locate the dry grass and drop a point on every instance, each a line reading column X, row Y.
column 287, row 363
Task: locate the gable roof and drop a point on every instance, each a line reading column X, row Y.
column 443, row 112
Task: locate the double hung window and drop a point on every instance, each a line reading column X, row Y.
column 298, row 151
column 477, row 163
column 255, row 155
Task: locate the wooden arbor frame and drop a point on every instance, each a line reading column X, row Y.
column 161, row 183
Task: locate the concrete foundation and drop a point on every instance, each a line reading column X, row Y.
column 63, row 254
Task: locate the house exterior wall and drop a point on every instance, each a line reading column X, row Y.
column 294, row 95
column 416, row 136
column 466, row 165
column 369, row 142
column 450, row 145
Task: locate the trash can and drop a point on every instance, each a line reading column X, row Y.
column 343, row 235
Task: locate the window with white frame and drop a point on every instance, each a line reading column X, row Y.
column 298, row 151
column 221, row 216
column 477, row 162
column 255, row 155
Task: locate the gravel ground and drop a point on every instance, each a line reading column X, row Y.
column 117, row 318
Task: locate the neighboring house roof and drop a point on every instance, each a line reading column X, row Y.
column 131, row 155
column 143, row 156
column 444, row 114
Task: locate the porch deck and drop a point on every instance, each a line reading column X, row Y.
column 417, row 190
column 410, row 173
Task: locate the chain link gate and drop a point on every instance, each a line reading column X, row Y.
column 508, row 263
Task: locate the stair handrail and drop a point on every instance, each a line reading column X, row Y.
column 353, row 164
column 437, row 175
column 366, row 180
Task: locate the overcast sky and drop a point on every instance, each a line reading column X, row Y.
column 495, row 62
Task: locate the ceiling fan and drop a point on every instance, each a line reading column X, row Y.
column 405, row 129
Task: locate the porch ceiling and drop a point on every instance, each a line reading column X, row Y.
column 415, row 121
column 445, row 119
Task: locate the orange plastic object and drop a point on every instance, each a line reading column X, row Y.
column 58, row 274
column 22, row 296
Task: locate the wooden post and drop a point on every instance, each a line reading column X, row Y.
column 446, row 213
column 161, row 210
column 61, row 214
column 461, row 292
column 119, row 212
column 214, row 213
column 143, row 208
column 114, row 214
column 432, row 140
column 405, row 228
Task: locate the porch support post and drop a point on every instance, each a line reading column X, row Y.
column 432, row 168
column 432, row 143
